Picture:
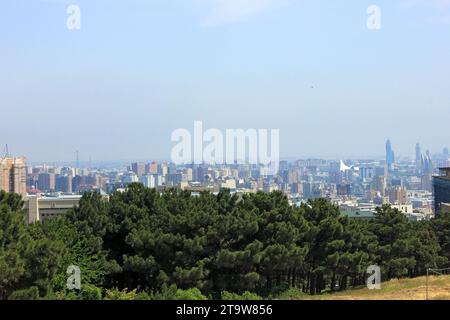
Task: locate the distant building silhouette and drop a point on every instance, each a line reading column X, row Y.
column 418, row 156
column 138, row 168
column 390, row 155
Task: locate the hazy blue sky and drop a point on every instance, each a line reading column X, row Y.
column 137, row 70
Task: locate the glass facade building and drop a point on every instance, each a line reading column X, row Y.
column 441, row 186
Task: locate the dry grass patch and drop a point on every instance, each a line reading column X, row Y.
column 397, row 289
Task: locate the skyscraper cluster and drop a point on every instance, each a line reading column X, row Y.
column 425, row 168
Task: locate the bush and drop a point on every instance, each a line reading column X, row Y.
column 289, row 294
column 191, row 294
column 31, row 293
column 166, row 293
column 245, row 296
column 115, row 294
column 90, row 292
column 142, row 296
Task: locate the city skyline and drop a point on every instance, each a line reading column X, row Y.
column 86, row 161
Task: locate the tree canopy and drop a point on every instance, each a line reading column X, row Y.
column 147, row 244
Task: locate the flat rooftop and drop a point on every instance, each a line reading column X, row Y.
column 444, row 173
column 56, row 196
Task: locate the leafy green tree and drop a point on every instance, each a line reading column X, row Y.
column 12, row 232
column 325, row 239
column 441, row 227
column 391, row 227
column 163, row 245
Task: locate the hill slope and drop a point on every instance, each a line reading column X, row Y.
column 403, row 289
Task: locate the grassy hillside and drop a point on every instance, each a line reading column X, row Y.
column 403, row 289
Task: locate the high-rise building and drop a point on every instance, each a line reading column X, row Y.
column 138, row 168
column 390, row 155
column 343, row 189
column 297, row 188
column 189, row 174
column 94, row 180
column 426, row 171
column 130, row 177
column 418, row 155
column 78, row 182
column 380, row 185
column 151, row 180
column 307, row 190
column 13, row 175
column 367, row 173
column 441, row 185
column 46, row 182
column 163, row 169
column 174, row 179
column 381, row 171
column 63, row 183
column 397, row 195
column 200, row 173
column 151, row 168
